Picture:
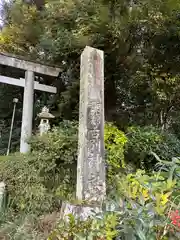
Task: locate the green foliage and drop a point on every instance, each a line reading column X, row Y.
column 140, row 41
column 96, row 228
column 138, row 205
column 22, row 227
column 170, row 169
column 145, row 204
column 25, row 186
column 21, row 33
column 138, row 209
column 145, row 189
column 48, row 174
column 115, row 141
column 142, row 141
column 27, row 226
column 59, row 144
column 36, row 180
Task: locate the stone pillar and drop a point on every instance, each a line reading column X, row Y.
column 2, row 196
column 91, row 163
column 27, row 115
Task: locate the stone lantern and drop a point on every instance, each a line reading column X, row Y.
column 44, row 116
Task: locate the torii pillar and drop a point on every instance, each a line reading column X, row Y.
column 27, row 114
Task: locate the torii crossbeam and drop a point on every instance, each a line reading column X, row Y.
column 29, row 86
column 21, row 83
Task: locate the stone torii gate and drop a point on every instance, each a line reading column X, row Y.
column 29, row 86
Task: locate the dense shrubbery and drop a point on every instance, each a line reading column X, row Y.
column 140, row 207
column 115, row 141
column 48, row 172
column 142, row 141
column 39, row 181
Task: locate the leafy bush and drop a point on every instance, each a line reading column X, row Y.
column 115, row 141
column 140, row 207
column 142, row 141
column 144, row 204
column 171, row 168
column 48, row 174
column 37, row 179
column 25, row 185
column 21, row 227
column 92, row 229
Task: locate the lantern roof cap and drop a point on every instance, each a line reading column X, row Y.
column 45, row 114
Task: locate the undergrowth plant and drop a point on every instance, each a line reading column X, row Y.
column 140, row 207
column 38, row 181
column 115, row 141
column 142, row 141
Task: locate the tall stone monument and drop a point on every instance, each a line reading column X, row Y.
column 91, row 165
column 90, row 186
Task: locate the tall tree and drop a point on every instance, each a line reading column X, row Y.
column 141, row 44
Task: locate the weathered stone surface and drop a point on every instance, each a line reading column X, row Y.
column 21, row 83
column 27, row 114
column 91, row 165
column 78, row 211
column 12, row 61
column 2, row 196
column 45, row 116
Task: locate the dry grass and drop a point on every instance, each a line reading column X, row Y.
column 47, row 223
column 29, row 227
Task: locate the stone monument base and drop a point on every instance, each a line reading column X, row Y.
column 81, row 212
